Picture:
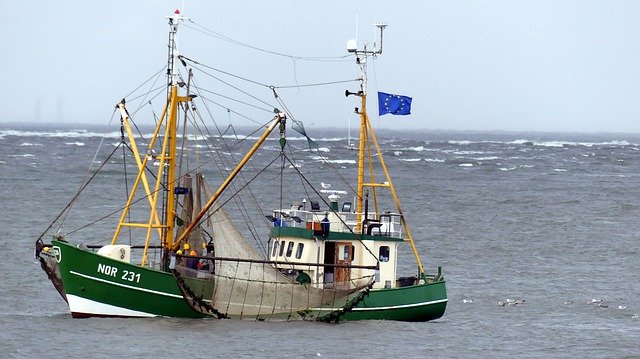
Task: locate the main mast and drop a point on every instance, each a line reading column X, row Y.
column 170, row 139
column 163, row 192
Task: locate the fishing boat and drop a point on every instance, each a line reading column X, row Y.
column 178, row 250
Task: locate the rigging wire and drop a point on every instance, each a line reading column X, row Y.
column 323, row 158
column 235, row 87
column 85, row 182
column 327, row 204
column 241, row 207
column 315, row 84
column 214, row 34
column 149, row 79
column 235, row 100
column 82, row 183
column 126, row 180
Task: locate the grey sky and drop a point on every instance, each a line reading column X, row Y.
column 469, row 65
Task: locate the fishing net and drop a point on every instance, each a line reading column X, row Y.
column 240, row 283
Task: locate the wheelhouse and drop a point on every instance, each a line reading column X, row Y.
column 322, row 246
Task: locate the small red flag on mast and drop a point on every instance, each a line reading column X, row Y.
column 177, row 12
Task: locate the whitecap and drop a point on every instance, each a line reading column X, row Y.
column 409, row 159
column 63, row 134
column 439, row 160
column 31, row 144
column 469, row 152
column 466, row 165
column 77, row 143
column 415, row 149
column 559, row 170
column 23, row 155
column 459, row 142
column 339, row 161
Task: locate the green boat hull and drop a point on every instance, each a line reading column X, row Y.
column 415, row 303
column 98, row 286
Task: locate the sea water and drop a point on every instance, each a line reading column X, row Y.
column 551, row 219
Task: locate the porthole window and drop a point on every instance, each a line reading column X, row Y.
column 290, row 249
column 299, row 250
column 384, row 254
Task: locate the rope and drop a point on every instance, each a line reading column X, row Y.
column 83, row 185
column 233, row 284
column 327, row 204
column 197, row 303
column 336, row 315
column 214, row 34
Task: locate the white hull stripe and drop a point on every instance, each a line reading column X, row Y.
column 126, row 286
column 391, row 307
column 402, row 306
column 86, row 306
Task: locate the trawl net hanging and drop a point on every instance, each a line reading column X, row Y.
column 238, row 282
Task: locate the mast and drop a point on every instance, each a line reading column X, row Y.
column 361, row 60
column 171, row 137
column 163, row 192
column 170, row 140
column 366, row 131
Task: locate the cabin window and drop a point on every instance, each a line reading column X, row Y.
column 299, row 250
column 344, row 253
column 275, row 248
column 290, row 249
column 282, row 244
column 384, row 254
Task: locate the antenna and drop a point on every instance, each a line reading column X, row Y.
column 352, row 44
column 380, row 26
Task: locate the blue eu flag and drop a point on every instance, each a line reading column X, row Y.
column 393, row 104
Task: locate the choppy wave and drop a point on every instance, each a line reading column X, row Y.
column 339, row 161
column 60, row 134
column 25, row 155
column 513, row 168
column 30, row 144
column 560, row 143
column 489, row 158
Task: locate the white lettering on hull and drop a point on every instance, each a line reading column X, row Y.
column 107, row 269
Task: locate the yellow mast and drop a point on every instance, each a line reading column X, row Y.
column 366, row 130
column 166, row 176
column 361, row 150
